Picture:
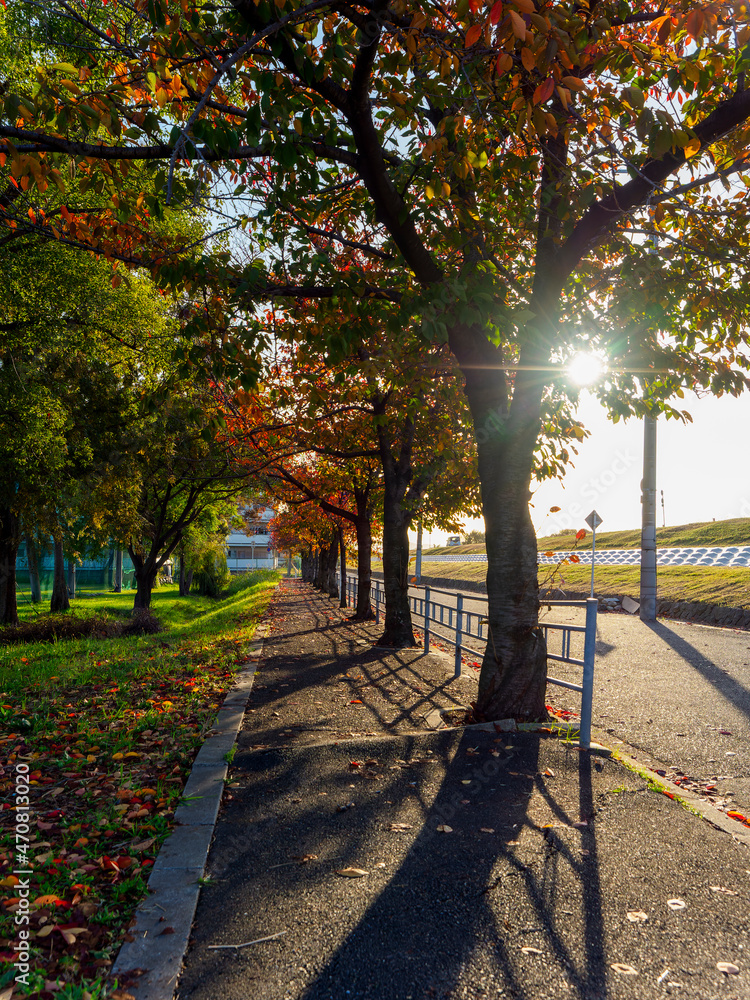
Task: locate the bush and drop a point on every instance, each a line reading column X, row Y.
column 212, row 573
column 142, row 622
column 55, row 628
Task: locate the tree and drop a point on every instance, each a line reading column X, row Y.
column 506, row 167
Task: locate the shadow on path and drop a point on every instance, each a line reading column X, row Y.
column 734, row 692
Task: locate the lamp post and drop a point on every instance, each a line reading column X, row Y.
column 648, row 523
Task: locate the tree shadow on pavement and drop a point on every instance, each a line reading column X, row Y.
column 473, row 848
column 734, row 692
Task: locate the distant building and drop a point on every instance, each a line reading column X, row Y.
column 251, row 548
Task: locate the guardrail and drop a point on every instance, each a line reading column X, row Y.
column 456, row 627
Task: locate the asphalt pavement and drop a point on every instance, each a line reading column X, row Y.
column 389, row 862
column 674, row 694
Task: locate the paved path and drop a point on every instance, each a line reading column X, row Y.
column 503, row 866
column 677, row 694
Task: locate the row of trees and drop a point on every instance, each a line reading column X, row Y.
column 507, row 181
column 101, row 439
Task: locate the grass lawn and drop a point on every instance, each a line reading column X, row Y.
column 108, row 729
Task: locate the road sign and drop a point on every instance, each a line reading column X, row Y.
column 593, row 520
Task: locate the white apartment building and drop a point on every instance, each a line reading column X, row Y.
column 251, row 548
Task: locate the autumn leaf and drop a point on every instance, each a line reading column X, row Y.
column 473, row 35
column 519, row 25
column 496, row 12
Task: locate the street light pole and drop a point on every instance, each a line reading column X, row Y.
column 648, row 523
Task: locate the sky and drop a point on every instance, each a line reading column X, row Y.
column 703, row 469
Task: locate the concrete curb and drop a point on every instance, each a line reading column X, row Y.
column 687, row 798
column 165, row 917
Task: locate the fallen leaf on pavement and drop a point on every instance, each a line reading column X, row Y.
column 528, row 950
column 720, row 888
column 676, row 904
column 444, row 828
column 729, row 968
column 352, row 872
column 486, row 829
column 399, row 827
column 624, row 970
column 636, row 915
column 549, row 772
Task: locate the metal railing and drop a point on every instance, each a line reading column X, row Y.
column 454, row 625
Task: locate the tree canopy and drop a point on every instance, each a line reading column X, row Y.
column 517, row 179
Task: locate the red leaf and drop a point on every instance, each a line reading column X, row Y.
column 574, row 558
column 497, row 12
column 544, row 91
column 473, row 35
column 580, row 534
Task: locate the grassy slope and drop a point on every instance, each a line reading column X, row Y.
column 109, row 728
column 727, row 587
column 732, row 532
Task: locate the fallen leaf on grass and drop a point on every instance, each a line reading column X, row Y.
column 624, row 970
column 728, row 968
column 352, row 872
column 676, row 904
column 636, row 915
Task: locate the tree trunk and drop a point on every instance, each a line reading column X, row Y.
column 342, row 550
column 33, row 564
column 118, row 571
column 10, row 539
column 331, row 586
column 364, row 612
column 397, row 474
column 146, row 571
column 71, row 579
column 186, row 576
column 60, row 600
column 513, row 679
column 318, row 556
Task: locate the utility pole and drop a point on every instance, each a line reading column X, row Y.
column 418, row 567
column 648, row 523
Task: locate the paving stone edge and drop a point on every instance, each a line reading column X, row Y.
column 164, row 918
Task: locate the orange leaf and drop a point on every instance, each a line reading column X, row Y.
column 554, row 510
column 580, row 534
column 519, row 25
column 46, row 900
column 694, row 23
column 473, row 35
column 550, row 555
column 355, row 701
column 574, row 558
column 573, row 83
column 528, row 60
column 497, row 12
column 544, row 91
column 504, row 62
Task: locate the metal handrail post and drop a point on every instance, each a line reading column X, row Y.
column 377, row 602
column 459, row 633
column 426, row 619
column 589, row 653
